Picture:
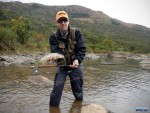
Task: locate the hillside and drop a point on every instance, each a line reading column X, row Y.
column 95, row 25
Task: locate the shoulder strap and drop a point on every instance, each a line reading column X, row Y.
column 72, row 33
column 54, row 33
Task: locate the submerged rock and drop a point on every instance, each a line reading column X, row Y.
column 93, row 108
column 40, row 80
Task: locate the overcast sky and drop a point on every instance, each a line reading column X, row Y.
column 129, row 11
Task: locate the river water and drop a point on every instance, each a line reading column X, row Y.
column 121, row 86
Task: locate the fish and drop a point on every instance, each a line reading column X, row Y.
column 51, row 58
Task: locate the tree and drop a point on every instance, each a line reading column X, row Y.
column 22, row 27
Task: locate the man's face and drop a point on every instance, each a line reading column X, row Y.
column 62, row 24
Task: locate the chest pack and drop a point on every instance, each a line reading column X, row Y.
column 69, row 46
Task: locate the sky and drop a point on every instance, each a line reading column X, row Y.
column 129, row 11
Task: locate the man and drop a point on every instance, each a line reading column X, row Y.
column 73, row 48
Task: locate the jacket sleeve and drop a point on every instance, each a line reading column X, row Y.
column 80, row 48
column 54, row 44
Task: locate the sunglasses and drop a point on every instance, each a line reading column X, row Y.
column 62, row 20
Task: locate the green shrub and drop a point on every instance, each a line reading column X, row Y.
column 22, row 27
column 7, row 39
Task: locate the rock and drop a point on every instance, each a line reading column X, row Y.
column 145, row 64
column 93, row 108
column 145, row 61
column 2, row 59
column 117, row 54
column 40, row 80
column 27, row 62
column 92, row 56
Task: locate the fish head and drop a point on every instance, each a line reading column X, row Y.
column 61, row 61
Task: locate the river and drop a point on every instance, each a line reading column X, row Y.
column 120, row 87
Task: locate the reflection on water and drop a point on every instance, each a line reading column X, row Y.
column 120, row 88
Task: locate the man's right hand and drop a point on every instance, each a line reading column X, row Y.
column 75, row 64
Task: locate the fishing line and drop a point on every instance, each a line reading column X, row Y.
column 29, row 89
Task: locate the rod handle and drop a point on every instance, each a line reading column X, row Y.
column 46, row 66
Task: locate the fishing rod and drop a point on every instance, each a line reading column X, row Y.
column 48, row 65
column 57, row 60
column 36, row 67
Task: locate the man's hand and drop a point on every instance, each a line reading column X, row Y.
column 75, row 64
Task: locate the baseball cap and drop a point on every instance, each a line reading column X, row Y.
column 61, row 14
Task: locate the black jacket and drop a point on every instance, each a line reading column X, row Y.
column 80, row 48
